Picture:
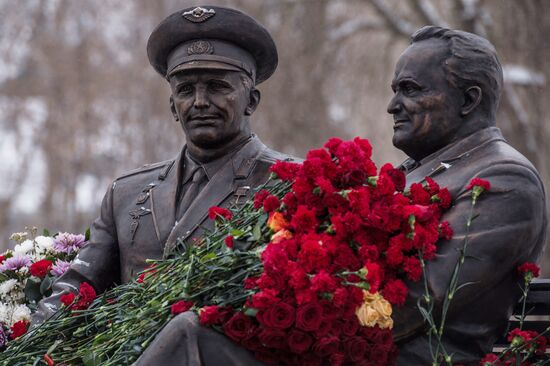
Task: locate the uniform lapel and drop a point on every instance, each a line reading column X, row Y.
column 163, row 201
column 221, row 186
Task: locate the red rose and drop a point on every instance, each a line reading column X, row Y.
column 280, row 316
column 273, row 338
column 309, row 316
column 355, row 348
column 180, row 307
column 67, row 299
column 271, row 203
column 229, row 241
column 213, row 315
column 481, row 183
column 395, row 292
column 350, row 326
column 216, row 213
column 266, row 356
column 326, row 346
column 40, row 269
column 299, row 341
column 238, row 327
column 18, row 329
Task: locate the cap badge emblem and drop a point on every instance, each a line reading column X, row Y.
column 200, row 48
column 199, row 15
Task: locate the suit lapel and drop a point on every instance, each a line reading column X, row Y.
column 221, row 186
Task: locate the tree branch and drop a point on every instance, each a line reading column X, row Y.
column 351, row 27
column 398, row 25
column 429, row 13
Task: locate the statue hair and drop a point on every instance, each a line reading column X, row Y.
column 472, row 61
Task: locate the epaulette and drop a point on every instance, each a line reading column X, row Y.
column 271, row 156
column 164, row 165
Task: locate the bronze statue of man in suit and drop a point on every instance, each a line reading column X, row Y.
column 213, row 58
column 447, row 86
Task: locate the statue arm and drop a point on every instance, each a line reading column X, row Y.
column 97, row 263
column 508, row 231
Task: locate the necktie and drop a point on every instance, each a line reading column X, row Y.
column 192, row 190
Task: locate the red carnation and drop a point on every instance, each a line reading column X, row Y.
column 445, row 230
column 271, row 203
column 478, row 182
column 18, row 329
column 215, row 213
column 41, row 268
column 285, row 170
column 395, row 292
column 309, row 316
column 180, row 307
column 67, row 299
column 213, row 315
column 259, row 198
column 489, row 360
column 86, row 296
column 529, row 271
column 396, row 175
column 229, row 241
column 304, row 220
column 2, row 259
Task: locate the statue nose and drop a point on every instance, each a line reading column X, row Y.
column 201, row 99
column 394, row 106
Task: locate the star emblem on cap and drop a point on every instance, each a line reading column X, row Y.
column 199, row 14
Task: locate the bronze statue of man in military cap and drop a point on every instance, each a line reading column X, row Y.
column 213, row 58
column 447, row 86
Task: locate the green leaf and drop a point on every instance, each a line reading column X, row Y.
column 237, row 233
column 262, row 220
column 46, row 285
column 46, row 232
column 87, row 235
column 257, row 232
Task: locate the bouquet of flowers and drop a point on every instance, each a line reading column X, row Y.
column 27, row 273
column 306, row 273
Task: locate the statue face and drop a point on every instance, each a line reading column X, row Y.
column 425, row 106
column 211, row 106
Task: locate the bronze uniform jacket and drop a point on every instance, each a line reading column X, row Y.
column 509, row 231
column 137, row 219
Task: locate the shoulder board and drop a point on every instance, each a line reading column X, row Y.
column 272, row 156
column 167, row 165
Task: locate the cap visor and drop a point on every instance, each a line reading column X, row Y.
column 209, row 65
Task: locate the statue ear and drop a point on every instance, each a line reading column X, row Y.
column 173, row 109
column 472, row 98
column 253, row 103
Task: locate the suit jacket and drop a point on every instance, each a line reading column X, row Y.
column 137, row 219
column 509, row 231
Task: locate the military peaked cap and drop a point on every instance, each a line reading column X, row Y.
column 212, row 37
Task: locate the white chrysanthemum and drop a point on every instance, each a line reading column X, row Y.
column 7, row 286
column 20, row 312
column 17, row 296
column 43, row 243
column 23, row 270
column 5, row 313
column 24, row 247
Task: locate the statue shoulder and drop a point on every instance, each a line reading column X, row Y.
column 271, row 156
column 161, row 169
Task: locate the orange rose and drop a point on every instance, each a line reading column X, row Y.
column 277, row 221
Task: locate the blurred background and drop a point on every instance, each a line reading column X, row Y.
column 79, row 103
